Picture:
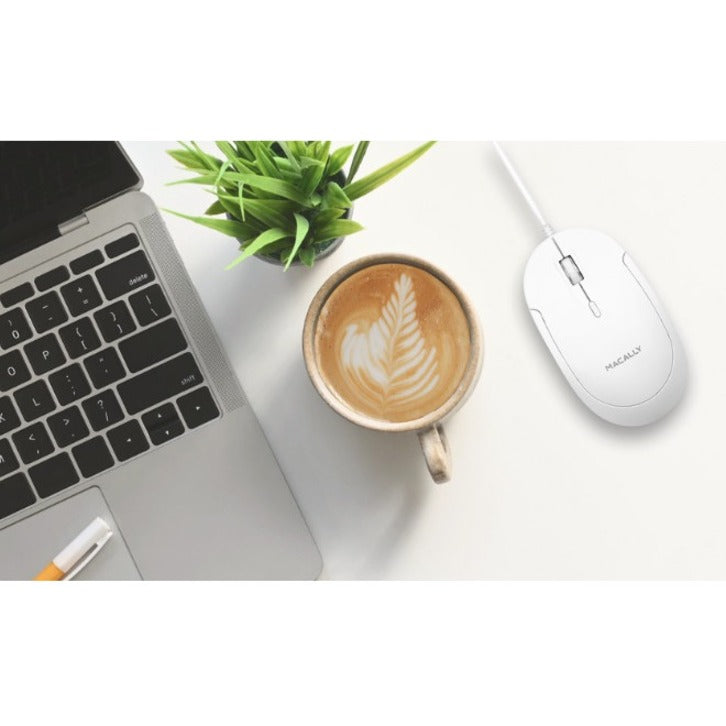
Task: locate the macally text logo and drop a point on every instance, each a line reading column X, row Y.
column 623, row 359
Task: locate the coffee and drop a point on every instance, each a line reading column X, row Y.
column 392, row 342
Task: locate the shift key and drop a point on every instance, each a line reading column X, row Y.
column 125, row 275
column 160, row 383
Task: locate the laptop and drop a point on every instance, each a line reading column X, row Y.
column 116, row 397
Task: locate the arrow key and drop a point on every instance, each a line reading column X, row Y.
column 128, row 440
column 163, row 423
column 198, row 407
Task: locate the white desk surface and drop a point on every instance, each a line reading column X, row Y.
column 541, row 488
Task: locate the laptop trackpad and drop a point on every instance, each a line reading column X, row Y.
column 26, row 547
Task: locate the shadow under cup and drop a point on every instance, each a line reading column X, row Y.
column 393, row 344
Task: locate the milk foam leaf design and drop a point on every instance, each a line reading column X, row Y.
column 386, row 361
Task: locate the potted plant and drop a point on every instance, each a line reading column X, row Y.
column 288, row 202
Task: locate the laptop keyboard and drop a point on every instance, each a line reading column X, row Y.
column 94, row 370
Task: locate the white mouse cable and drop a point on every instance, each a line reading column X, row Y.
column 569, row 267
column 507, row 163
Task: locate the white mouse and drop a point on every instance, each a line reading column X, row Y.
column 605, row 327
column 602, row 323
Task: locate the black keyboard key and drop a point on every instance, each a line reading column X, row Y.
column 13, row 370
column 159, row 384
column 69, row 384
column 198, row 407
column 153, row 345
column 86, row 262
column 68, row 427
column 17, row 294
column 81, row 295
column 15, row 494
column 45, row 354
column 119, row 246
column 46, row 312
column 163, row 424
column 128, row 440
column 104, row 367
column 14, row 328
column 103, row 410
column 149, row 305
column 92, row 456
column 115, row 321
column 33, row 443
column 34, row 400
column 80, row 337
column 125, row 275
column 8, row 461
column 9, row 419
column 52, row 278
column 53, row 475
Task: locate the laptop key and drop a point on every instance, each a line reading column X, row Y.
column 34, row 400
column 119, row 246
column 159, row 384
column 13, row 370
column 52, row 278
column 44, row 354
column 81, row 295
column 104, row 367
column 14, row 328
column 149, row 305
column 68, row 426
column 9, row 418
column 46, row 312
column 53, row 475
column 80, row 337
column 86, row 262
column 103, row 410
column 15, row 494
column 197, row 407
column 125, row 275
column 33, row 443
column 8, row 460
column 153, row 345
column 92, row 456
column 128, row 440
column 115, row 321
column 17, row 294
column 69, row 384
column 163, row 424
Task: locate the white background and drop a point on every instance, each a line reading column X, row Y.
column 541, row 487
column 332, row 653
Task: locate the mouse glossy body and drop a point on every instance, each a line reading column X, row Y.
column 605, row 327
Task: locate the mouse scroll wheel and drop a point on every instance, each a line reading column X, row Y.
column 570, row 268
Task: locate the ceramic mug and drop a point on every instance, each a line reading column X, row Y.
column 428, row 424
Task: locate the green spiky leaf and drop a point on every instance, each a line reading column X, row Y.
column 231, row 227
column 258, row 244
column 301, row 229
column 336, row 228
column 368, row 183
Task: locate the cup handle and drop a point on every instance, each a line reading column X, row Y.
column 436, row 451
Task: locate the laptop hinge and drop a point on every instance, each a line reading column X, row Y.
column 72, row 224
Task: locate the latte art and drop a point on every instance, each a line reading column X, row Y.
column 390, row 364
column 392, row 342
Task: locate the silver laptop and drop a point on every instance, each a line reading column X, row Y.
column 116, row 398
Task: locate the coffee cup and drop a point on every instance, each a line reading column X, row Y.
column 393, row 344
